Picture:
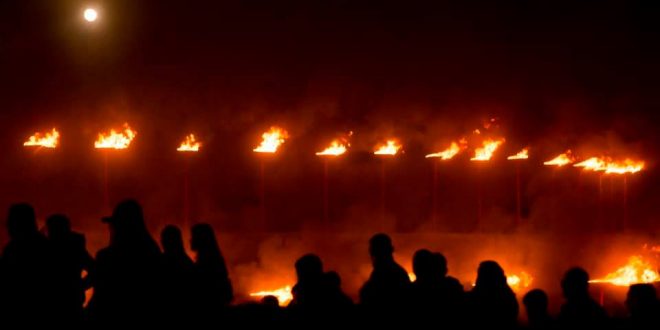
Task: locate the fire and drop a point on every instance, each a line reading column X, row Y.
column 451, row 151
column 190, row 144
column 272, row 140
column 47, row 140
column 625, row 166
column 593, row 164
column 391, row 147
column 636, row 271
column 412, row 276
column 115, row 140
column 485, row 153
column 282, row 294
column 519, row 281
column 522, row 154
column 561, row 160
column 336, row 148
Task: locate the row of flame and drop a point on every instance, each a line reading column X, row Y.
column 637, row 270
column 275, row 137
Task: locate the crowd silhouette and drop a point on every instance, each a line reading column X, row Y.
column 44, row 277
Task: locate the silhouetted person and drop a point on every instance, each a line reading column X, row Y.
column 386, row 293
column 338, row 300
column 178, row 275
column 127, row 276
column 536, row 305
column 492, row 303
column 579, row 310
column 70, row 257
column 213, row 288
column 643, row 306
column 27, row 288
column 435, row 296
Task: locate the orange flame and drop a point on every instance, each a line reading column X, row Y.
column 272, row 140
column 282, row 294
column 593, row 164
column 561, row 160
column 412, row 276
column 336, row 148
column 190, row 144
column 625, row 166
column 47, row 140
column 519, row 281
column 391, row 148
column 636, row 271
column 522, row 154
column 451, row 151
column 485, row 153
column 115, row 140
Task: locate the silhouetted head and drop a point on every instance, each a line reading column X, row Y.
column 575, row 284
column 270, row 301
column 21, row 221
column 536, row 303
column 423, row 264
column 309, row 268
column 642, row 300
column 490, row 275
column 58, row 225
column 440, row 264
column 171, row 240
column 380, row 247
column 333, row 279
column 127, row 222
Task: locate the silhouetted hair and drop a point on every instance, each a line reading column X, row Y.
column 58, row 225
column 490, row 275
column 380, row 245
column 309, row 266
column 21, row 221
column 536, row 300
column 575, row 283
column 423, row 263
column 171, row 240
column 205, row 244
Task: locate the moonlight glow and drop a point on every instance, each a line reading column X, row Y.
column 90, row 15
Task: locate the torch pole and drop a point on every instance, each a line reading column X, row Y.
column 106, row 191
column 382, row 194
column 518, row 202
column 625, row 202
column 186, row 194
column 326, row 193
column 600, row 198
column 479, row 201
column 262, row 194
column 434, row 196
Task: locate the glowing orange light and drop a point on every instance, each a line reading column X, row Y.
column 636, row 271
column 522, row 154
column 272, row 140
column 412, row 276
column 593, row 164
column 519, row 281
column 485, row 152
column 561, row 160
column 282, row 294
column 451, row 151
column 190, row 144
column 625, row 166
column 46, row 140
column 90, row 14
column 336, row 148
column 114, row 139
column 390, row 148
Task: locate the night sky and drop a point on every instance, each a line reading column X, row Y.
column 556, row 75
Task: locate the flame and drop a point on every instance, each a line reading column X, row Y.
column 485, row 153
column 412, row 276
column 451, row 151
column 47, row 140
column 391, row 147
column 561, row 160
column 522, row 154
column 593, row 164
column 190, row 144
column 115, row 140
column 636, row 271
column 336, row 148
column 625, row 166
column 272, row 140
column 519, row 281
column 282, row 294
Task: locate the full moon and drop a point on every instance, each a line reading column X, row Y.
column 90, row 15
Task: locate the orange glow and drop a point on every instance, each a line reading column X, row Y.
column 561, row 160
column 272, row 140
column 190, row 144
column 336, row 148
column 636, row 271
column 625, row 166
column 282, row 294
column 523, row 154
column 391, row 148
column 593, row 164
column 485, row 153
column 114, row 139
column 47, row 140
column 451, row 151
column 412, row 276
column 519, row 281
